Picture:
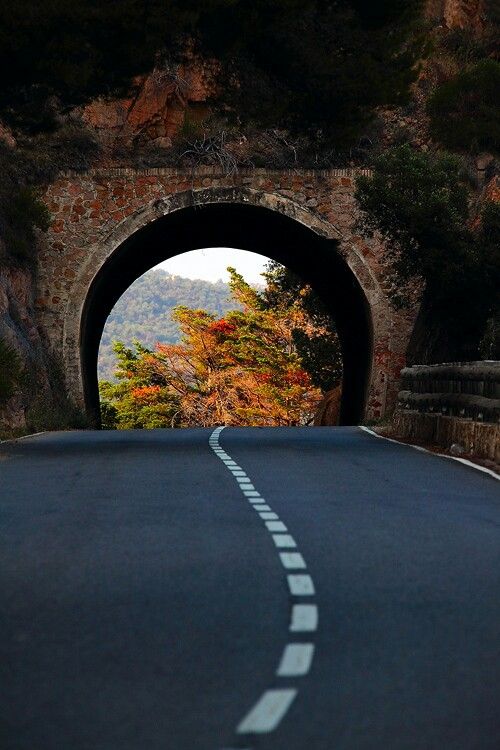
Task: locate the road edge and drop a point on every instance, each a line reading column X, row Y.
column 23, row 437
column 420, row 448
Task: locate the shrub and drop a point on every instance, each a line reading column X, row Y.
column 418, row 202
column 33, row 162
column 23, row 213
column 489, row 347
column 465, row 111
column 10, row 371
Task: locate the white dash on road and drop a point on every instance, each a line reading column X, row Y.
column 267, row 712
column 292, row 560
column 304, row 618
column 301, row 585
column 284, row 540
column 296, row 660
column 275, row 526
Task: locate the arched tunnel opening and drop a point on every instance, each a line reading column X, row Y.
column 314, row 258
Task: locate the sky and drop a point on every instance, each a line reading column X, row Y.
column 210, row 264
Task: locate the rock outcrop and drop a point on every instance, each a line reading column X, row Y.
column 328, row 411
column 459, row 14
column 161, row 103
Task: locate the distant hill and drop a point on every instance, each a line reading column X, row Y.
column 143, row 312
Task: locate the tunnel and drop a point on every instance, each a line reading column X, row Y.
column 315, row 259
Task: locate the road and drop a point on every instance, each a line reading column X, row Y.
column 150, row 602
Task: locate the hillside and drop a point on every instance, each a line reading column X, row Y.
column 143, row 312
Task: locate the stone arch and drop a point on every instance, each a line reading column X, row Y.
column 103, row 240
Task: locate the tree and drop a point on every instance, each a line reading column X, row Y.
column 240, row 369
column 315, row 335
column 419, row 204
column 139, row 400
column 292, row 64
column 295, row 64
column 60, row 54
column 465, row 111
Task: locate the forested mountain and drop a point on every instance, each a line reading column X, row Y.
column 144, row 312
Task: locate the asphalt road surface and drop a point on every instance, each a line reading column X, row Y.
column 272, row 589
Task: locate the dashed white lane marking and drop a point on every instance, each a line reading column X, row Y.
column 275, row 526
column 296, row 660
column 284, row 540
column 304, row 618
column 267, row 712
column 301, row 585
column 292, row 560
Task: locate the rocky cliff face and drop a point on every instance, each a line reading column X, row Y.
column 167, row 103
column 161, row 104
column 459, row 14
column 18, row 329
column 40, row 401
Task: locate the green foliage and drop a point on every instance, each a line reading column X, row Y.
column 489, row 242
column 33, row 162
column 48, row 405
column 489, row 347
column 10, row 371
column 317, row 344
column 61, row 54
column 296, row 65
column 283, row 63
column 72, row 146
column 243, row 368
column 136, row 402
column 467, row 46
column 465, row 111
column 144, row 312
column 56, row 413
column 23, row 213
column 418, row 203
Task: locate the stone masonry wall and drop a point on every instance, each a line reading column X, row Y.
column 94, row 212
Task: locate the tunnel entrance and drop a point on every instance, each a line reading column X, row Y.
column 316, row 259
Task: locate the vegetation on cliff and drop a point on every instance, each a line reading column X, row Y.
column 10, row 371
column 243, row 369
column 281, row 63
column 295, row 83
column 465, row 110
column 144, row 312
column 419, row 203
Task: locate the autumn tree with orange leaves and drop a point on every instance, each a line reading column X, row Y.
column 242, row 369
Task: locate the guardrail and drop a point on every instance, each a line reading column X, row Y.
column 467, row 390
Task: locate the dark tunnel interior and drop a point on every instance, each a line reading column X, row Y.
column 315, row 259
